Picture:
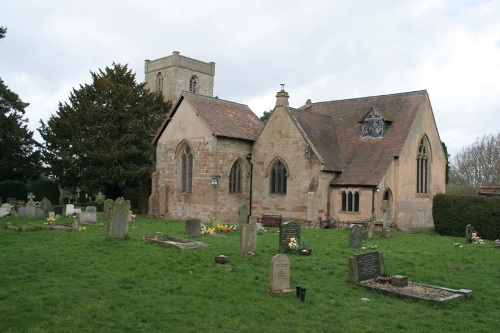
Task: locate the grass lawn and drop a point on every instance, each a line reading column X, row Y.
column 63, row 281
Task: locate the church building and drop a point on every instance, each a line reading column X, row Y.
column 345, row 160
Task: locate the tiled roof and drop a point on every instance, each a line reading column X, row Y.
column 335, row 131
column 224, row 118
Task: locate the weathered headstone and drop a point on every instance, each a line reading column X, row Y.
column 366, row 266
column 52, row 215
column 355, row 239
column 39, row 213
column 4, row 211
column 243, row 213
column 20, row 212
column 117, row 229
column 469, row 229
column 193, row 228
column 30, row 209
column 46, row 206
column 90, row 215
column 280, row 275
column 216, row 221
column 75, row 225
column 70, row 209
column 248, row 239
column 288, row 230
column 108, row 204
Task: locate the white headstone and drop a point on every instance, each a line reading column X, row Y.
column 70, row 209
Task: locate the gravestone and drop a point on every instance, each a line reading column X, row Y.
column 243, row 213
column 75, row 225
column 70, row 209
column 366, row 266
column 7, row 206
column 248, row 239
column 216, row 221
column 355, row 239
column 58, row 211
column 39, row 213
column 12, row 202
column 469, row 229
column 20, row 212
column 46, row 206
column 288, row 230
column 4, row 211
column 117, row 229
column 30, row 209
column 20, row 203
column 108, row 204
column 280, row 275
column 52, row 215
column 193, row 228
column 90, row 215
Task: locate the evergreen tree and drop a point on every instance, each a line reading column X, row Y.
column 19, row 159
column 101, row 138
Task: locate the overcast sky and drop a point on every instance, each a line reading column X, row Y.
column 320, row 49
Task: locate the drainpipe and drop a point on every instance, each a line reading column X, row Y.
column 249, row 158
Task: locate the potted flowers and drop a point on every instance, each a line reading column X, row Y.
column 301, row 247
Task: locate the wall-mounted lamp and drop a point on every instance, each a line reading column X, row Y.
column 376, row 189
column 214, row 180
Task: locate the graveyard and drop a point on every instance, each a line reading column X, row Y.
column 86, row 279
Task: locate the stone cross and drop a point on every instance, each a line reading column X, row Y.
column 31, row 196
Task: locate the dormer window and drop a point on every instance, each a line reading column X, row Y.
column 374, row 123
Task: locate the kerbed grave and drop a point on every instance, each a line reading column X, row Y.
column 171, row 241
column 368, row 270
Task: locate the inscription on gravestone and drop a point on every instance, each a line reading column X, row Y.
column 280, row 274
column 366, row 266
column 355, row 236
column 287, row 231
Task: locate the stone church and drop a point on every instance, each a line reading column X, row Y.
column 344, row 160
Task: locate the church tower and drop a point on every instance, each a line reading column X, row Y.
column 173, row 74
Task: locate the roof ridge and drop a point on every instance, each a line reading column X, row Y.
column 367, row 97
column 213, row 98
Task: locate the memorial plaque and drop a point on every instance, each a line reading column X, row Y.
column 366, row 266
column 287, row 231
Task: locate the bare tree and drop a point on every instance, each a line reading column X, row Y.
column 476, row 165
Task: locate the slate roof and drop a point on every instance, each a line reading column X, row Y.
column 335, row 131
column 224, row 118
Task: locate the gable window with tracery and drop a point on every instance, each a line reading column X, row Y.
column 235, row 178
column 278, row 178
column 373, row 125
column 423, row 165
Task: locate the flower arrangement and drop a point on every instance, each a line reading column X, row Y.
column 476, row 239
column 293, row 245
column 299, row 246
column 457, row 244
column 218, row 228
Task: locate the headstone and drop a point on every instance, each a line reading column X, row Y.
column 12, row 201
column 52, row 215
column 20, row 212
column 248, row 239
column 4, row 212
column 39, row 213
column 366, row 266
column 90, row 215
column 100, row 197
column 469, row 229
column 70, row 209
column 216, row 221
column 280, row 275
column 46, row 206
column 7, row 206
column 108, row 203
column 243, row 213
column 288, row 230
column 20, row 203
column 30, row 209
column 58, row 211
column 75, row 226
column 117, row 229
column 193, row 228
column 355, row 236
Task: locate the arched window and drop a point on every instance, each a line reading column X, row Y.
column 350, row 201
column 235, row 178
column 422, row 166
column 187, row 170
column 278, row 178
column 193, row 83
column 159, row 82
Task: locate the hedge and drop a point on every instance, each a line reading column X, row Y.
column 453, row 213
